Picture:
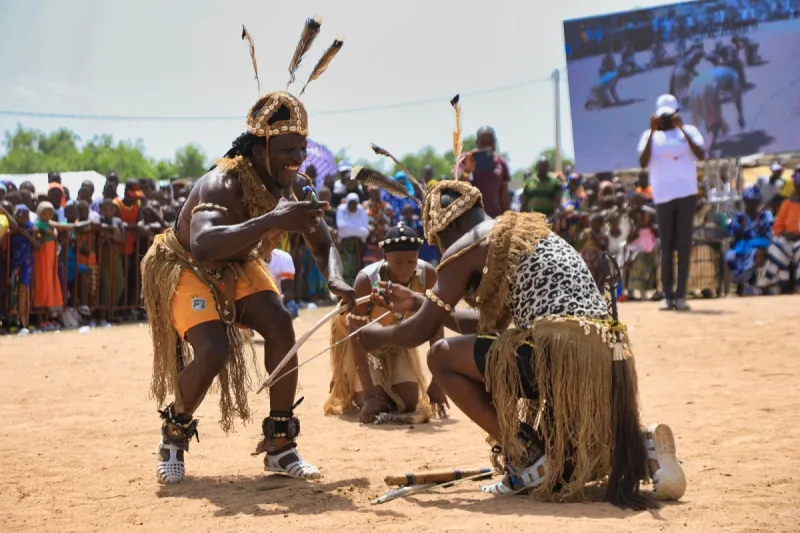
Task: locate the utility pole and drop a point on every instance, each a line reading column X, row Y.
column 557, row 89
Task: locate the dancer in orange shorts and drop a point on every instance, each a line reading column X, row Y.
column 205, row 280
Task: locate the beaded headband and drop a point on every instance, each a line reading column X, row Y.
column 401, row 238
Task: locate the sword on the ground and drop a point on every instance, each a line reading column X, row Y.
column 435, row 480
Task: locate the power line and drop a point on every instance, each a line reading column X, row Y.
column 75, row 116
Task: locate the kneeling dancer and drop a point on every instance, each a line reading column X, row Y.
column 206, row 277
column 388, row 380
column 566, row 362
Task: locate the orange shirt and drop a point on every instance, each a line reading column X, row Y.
column 788, row 220
column 129, row 215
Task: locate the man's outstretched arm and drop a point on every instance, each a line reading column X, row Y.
column 215, row 236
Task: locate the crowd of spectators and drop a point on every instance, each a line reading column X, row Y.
column 71, row 261
column 748, row 236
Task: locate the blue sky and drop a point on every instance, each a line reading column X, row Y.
column 154, row 58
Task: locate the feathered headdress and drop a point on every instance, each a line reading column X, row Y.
column 457, row 143
column 372, row 178
column 324, row 61
column 279, row 112
column 311, row 29
column 380, row 151
column 249, row 38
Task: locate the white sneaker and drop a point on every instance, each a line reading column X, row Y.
column 517, row 480
column 298, row 469
column 669, row 481
column 170, row 468
column 175, row 436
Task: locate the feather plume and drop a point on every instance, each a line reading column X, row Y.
column 324, row 61
column 373, row 178
column 310, row 31
column 457, row 144
column 249, row 38
column 380, row 151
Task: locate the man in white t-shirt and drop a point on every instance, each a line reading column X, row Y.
column 669, row 149
column 281, row 268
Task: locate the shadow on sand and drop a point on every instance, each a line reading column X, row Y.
column 234, row 495
column 524, row 506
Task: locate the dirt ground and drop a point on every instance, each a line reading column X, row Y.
column 78, row 437
column 606, row 139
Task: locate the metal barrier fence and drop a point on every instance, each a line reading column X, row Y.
column 93, row 272
column 111, row 283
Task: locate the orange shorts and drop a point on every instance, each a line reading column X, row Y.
column 193, row 302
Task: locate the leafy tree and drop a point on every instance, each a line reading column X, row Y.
column 29, row 151
column 127, row 158
column 190, row 161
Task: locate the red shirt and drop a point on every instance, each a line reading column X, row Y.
column 491, row 171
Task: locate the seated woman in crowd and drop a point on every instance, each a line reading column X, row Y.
column 352, row 224
column 784, row 253
column 751, row 230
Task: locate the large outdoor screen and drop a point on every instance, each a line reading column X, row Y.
column 733, row 65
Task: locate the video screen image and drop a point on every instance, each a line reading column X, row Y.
column 733, row 65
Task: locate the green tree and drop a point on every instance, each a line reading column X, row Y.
column 190, row 161
column 29, row 151
column 126, row 158
column 166, row 170
column 426, row 156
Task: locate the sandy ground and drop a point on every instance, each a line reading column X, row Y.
column 78, row 438
column 606, row 139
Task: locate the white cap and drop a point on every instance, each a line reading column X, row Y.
column 666, row 105
column 775, row 166
column 352, row 197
